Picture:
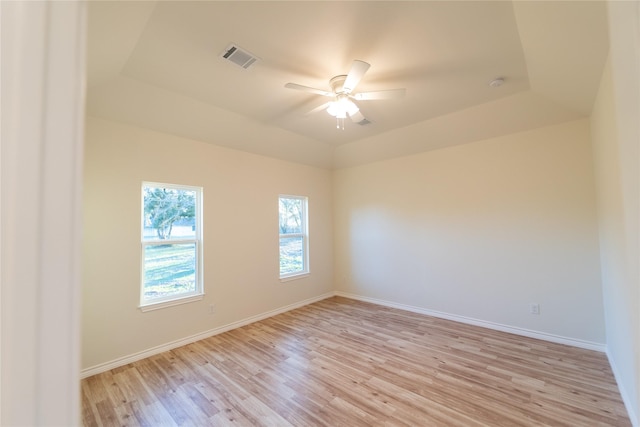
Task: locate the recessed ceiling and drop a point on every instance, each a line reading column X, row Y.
column 159, row 66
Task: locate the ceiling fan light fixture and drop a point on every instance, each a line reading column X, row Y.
column 342, row 94
column 341, row 107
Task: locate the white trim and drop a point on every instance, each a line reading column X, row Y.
column 482, row 323
column 170, row 303
column 116, row 363
column 294, row 277
column 171, row 242
column 628, row 403
column 103, row 367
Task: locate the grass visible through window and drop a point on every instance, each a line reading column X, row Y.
column 169, row 270
column 291, row 255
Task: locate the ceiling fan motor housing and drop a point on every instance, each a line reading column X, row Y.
column 337, row 83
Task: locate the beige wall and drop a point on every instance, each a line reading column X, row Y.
column 616, row 138
column 240, row 236
column 479, row 231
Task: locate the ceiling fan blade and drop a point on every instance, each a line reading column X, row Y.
column 355, row 75
column 319, row 108
column 357, row 117
column 308, row 89
column 381, row 94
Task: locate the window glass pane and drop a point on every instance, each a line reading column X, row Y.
column 169, row 214
column 169, row 270
column 291, row 255
column 290, row 215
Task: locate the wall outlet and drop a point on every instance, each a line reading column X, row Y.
column 534, row 308
column 212, row 308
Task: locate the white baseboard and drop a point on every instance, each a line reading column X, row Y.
column 103, row 367
column 482, row 323
column 633, row 417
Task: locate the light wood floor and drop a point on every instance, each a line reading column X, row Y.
column 341, row 362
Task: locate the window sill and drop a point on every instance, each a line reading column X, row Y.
column 170, row 303
column 294, row 277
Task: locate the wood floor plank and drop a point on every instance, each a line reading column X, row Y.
column 341, row 362
column 89, row 409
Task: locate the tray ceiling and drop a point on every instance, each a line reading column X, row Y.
column 157, row 65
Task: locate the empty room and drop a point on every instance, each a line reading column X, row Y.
column 354, row 213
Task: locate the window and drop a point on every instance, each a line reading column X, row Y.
column 171, row 245
column 294, row 239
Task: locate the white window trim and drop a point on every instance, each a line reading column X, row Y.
column 184, row 298
column 305, row 240
column 294, row 276
column 170, row 303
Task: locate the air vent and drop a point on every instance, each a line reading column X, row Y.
column 364, row 122
column 239, row 56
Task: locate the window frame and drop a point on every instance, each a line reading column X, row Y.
column 185, row 297
column 304, row 233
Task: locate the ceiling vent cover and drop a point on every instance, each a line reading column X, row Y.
column 364, row 122
column 239, row 56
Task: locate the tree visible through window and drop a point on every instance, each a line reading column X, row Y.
column 171, row 242
column 293, row 236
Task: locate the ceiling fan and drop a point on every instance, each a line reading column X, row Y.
column 343, row 101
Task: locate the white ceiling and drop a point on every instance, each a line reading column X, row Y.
column 157, row 65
